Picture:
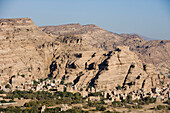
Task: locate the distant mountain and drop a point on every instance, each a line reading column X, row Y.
column 146, row 38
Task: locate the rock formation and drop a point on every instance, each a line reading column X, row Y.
column 98, row 70
column 71, row 57
column 154, row 52
column 22, row 49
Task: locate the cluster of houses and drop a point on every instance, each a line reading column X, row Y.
column 21, row 83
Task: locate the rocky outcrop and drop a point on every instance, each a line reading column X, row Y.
column 70, row 58
column 148, row 51
column 154, row 52
column 22, row 49
column 86, row 67
column 94, row 35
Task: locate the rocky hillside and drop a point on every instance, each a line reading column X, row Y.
column 84, row 67
column 70, row 58
column 22, row 49
column 94, row 35
column 154, row 52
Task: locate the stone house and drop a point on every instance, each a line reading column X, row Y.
column 94, row 98
column 60, row 88
column 17, row 81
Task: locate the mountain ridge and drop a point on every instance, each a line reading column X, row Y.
column 106, row 40
column 69, row 57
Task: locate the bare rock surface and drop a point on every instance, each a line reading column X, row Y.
column 20, row 49
column 71, row 58
column 86, row 67
column 155, row 52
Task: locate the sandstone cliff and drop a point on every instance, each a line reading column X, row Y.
column 148, row 51
column 87, row 68
column 70, row 58
column 20, row 49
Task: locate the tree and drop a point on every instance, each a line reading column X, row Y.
column 100, row 108
column 129, row 98
column 23, row 76
column 159, row 107
column 8, row 86
column 118, row 87
column 168, row 101
column 2, row 92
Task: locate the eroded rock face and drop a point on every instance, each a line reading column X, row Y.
column 21, row 49
column 25, row 49
column 154, row 52
column 86, row 67
column 94, row 35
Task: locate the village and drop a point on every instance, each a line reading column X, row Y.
column 19, row 82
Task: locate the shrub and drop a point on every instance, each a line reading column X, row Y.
column 159, row 107
column 169, row 76
column 8, row 86
column 118, row 87
column 95, row 94
column 100, row 108
column 52, row 110
column 23, row 76
column 35, row 83
column 128, row 106
column 168, row 101
column 2, row 92
column 138, row 107
column 129, row 98
column 13, row 76
column 117, row 104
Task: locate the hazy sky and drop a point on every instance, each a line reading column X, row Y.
column 150, row 18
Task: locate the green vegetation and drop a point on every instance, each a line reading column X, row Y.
column 95, row 103
column 100, row 108
column 35, row 83
column 13, row 76
column 159, row 107
column 41, row 80
column 111, row 111
column 137, row 107
column 2, row 92
column 162, row 107
column 74, row 111
column 23, row 76
column 129, row 99
column 168, row 101
column 3, row 101
column 37, row 110
column 117, row 104
column 12, row 109
column 8, row 86
column 69, row 84
column 145, row 100
column 52, row 110
column 137, row 102
column 43, row 96
column 169, row 76
column 62, row 80
column 118, row 87
column 96, row 94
